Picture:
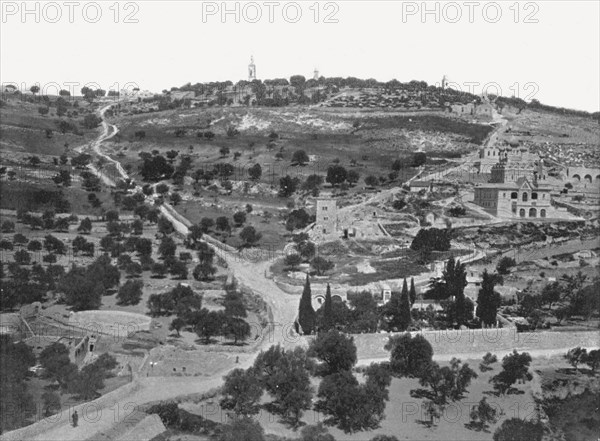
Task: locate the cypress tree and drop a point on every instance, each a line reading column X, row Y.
column 404, row 317
column 413, row 291
column 306, row 313
column 404, row 289
column 327, row 311
column 488, row 301
column 392, row 310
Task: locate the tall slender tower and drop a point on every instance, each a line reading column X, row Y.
column 316, row 74
column 251, row 70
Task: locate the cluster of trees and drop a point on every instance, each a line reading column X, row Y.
column 240, row 428
column 285, row 376
column 82, row 288
column 363, row 315
column 578, row 355
column 298, row 219
column 432, row 239
column 348, row 404
column 571, row 295
column 397, row 312
column 449, row 289
column 187, row 306
column 418, row 159
column 222, row 226
column 15, row 361
column 505, row 264
column 85, row 383
column 282, row 92
column 515, row 367
column 47, row 221
column 336, row 175
column 412, row 357
column 27, row 285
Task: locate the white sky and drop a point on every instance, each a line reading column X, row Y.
column 171, row 45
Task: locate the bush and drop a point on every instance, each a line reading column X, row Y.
column 298, row 219
column 505, row 264
column 292, row 261
column 130, row 293
column 8, row 226
column 457, row 211
column 321, row 265
column 250, row 236
column 336, row 350
column 239, row 218
column 409, row 356
column 300, row 157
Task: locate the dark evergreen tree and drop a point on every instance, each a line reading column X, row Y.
column 404, row 317
column 398, row 309
column 306, row 313
column 452, row 286
column 488, row 301
column 327, row 322
column 412, row 292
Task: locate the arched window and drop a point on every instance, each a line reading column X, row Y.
column 514, row 195
column 532, row 212
column 588, row 178
column 542, row 213
column 524, row 197
column 522, row 212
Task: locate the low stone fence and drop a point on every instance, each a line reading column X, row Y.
column 480, row 341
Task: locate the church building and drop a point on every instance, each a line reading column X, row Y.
column 515, row 192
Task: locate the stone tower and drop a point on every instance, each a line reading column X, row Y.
column 251, row 70
column 326, row 222
column 316, row 74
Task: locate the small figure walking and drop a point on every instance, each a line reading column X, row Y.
column 75, row 419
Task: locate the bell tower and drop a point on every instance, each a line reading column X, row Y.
column 251, row 70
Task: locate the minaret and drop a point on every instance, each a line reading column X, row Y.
column 316, row 74
column 251, row 70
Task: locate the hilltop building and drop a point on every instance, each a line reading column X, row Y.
column 251, row 70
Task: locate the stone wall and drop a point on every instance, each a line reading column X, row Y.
column 481, row 341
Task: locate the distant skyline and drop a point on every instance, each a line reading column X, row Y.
column 556, row 60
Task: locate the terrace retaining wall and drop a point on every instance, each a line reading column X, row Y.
column 481, row 341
